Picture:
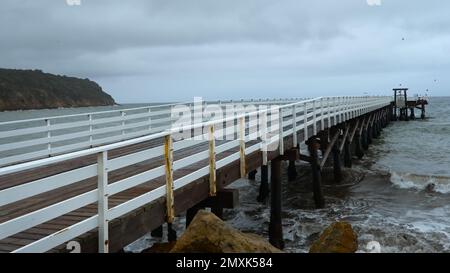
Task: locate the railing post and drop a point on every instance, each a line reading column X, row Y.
column 280, row 131
column 322, row 125
column 347, row 108
column 314, row 118
column 49, row 137
column 329, row 112
column 305, row 120
column 102, row 186
column 243, row 166
column 90, row 130
column 338, row 110
column 263, row 130
column 294, row 125
column 212, row 162
column 168, row 158
column 149, row 120
column 123, row 122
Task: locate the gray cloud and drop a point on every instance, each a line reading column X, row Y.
column 175, row 49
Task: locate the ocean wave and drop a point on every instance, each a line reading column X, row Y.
column 440, row 184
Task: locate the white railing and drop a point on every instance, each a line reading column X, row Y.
column 30, row 139
column 294, row 117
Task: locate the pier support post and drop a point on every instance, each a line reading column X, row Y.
column 292, row 170
column 264, row 187
column 319, row 200
column 337, row 171
column 171, row 233
column 275, row 226
column 218, row 211
column 364, row 137
column 413, row 115
column 324, row 140
column 422, row 115
column 375, row 129
column 358, row 145
column 369, row 134
column 347, row 154
column 158, row 232
column 252, row 175
column 191, row 212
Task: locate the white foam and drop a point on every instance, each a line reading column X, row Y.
column 420, row 182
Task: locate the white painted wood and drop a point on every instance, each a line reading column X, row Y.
column 60, row 237
column 43, row 215
column 20, row 192
column 102, row 186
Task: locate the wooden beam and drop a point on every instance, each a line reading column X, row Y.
column 226, row 198
column 329, row 148
column 354, row 131
column 347, row 129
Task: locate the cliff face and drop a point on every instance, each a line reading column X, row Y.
column 33, row 89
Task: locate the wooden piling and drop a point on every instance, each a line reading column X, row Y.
column 364, row 139
column 292, row 171
column 252, row 175
column 413, row 115
column 171, row 233
column 217, row 210
column 158, row 232
column 369, row 134
column 422, row 115
column 275, row 226
column 337, row 171
column 316, row 173
column 359, row 151
column 191, row 212
column 347, row 154
column 264, row 186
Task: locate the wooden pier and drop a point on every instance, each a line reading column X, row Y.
column 402, row 104
column 107, row 196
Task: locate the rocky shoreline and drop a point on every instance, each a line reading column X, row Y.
column 209, row 234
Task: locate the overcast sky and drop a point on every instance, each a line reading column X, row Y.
column 173, row 50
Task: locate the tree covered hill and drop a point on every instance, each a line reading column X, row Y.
column 34, row 89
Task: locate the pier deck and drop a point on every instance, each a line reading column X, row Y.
column 108, row 196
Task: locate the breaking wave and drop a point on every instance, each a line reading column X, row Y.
column 433, row 183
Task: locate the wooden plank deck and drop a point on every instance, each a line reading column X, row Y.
column 196, row 191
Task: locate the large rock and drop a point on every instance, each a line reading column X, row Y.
column 337, row 238
column 208, row 234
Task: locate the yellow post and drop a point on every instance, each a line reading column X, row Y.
column 212, row 162
column 168, row 156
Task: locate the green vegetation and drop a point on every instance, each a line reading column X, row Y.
column 34, row 89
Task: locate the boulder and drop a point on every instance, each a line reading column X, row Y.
column 337, row 238
column 208, row 234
